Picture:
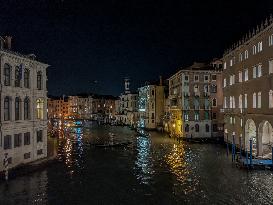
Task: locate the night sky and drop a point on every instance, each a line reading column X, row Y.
column 86, row 41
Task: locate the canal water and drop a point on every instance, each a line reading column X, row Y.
column 151, row 170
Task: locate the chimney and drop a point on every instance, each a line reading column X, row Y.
column 8, row 42
column 160, row 80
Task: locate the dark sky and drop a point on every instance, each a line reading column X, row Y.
column 86, row 40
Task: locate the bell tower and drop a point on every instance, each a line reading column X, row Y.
column 127, row 85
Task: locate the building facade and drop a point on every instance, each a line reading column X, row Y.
column 151, row 106
column 23, row 107
column 195, row 101
column 248, row 90
column 57, row 108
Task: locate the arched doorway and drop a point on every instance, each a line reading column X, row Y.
column 250, row 133
column 265, row 136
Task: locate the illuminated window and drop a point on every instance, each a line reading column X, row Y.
column 40, row 109
column 225, row 82
column 225, row 65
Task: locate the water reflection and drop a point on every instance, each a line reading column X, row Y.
column 179, row 164
column 143, row 163
column 27, row 190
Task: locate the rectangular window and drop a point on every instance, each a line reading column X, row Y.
column 225, row 82
column 206, row 78
column 17, row 140
column 254, row 50
column 27, row 155
column 213, row 77
column 214, row 115
column 254, row 100
column 27, row 138
column 196, row 78
column 39, row 152
column 225, row 65
column 270, row 66
column 7, row 142
column 186, row 78
column 196, row 116
column 214, row 128
column 40, row 136
column 231, row 62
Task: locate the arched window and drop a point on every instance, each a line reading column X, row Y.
column 40, row 109
column 270, row 100
column 240, row 101
column 39, row 80
column 7, row 70
column 187, row 128
column 254, row 49
column 214, row 102
column 259, row 103
column 7, row 108
column 17, row 81
column 17, row 108
column 26, row 78
column 196, row 128
column 26, row 109
column 207, row 128
column 254, row 100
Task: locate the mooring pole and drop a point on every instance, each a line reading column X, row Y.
column 272, row 155
column 246, row 157
column 240, row 147
column 227, row 145
column 233, row 147
column 250, row 150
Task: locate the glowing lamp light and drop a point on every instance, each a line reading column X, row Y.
column 173, row 125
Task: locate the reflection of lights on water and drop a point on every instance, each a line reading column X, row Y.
column 68, row 152
column 178, row 162
column 143, row 161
